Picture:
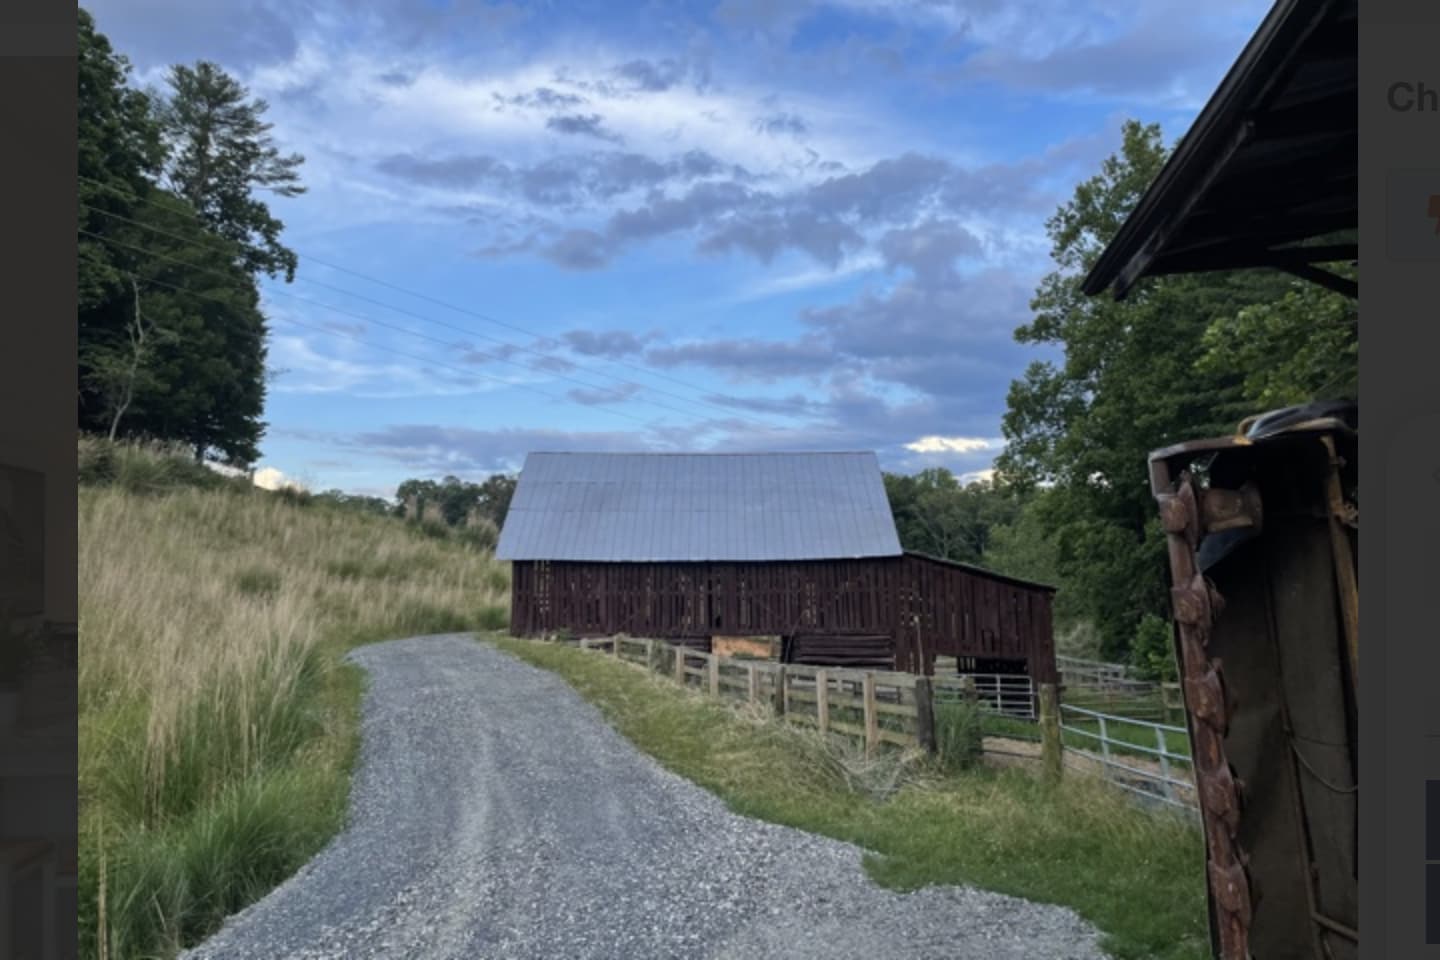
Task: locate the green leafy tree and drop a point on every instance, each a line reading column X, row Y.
column 118, row 373
column 1129, row 382
column 1304, row 346
column 938, row 515
column 495, row 495
column 457, row 498
column 118, row 156
column 221, row 154
column 1153, row 651
column 202, row 381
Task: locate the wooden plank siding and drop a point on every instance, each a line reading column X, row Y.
column 927, row 607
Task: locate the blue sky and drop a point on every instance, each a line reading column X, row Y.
column 723, row 225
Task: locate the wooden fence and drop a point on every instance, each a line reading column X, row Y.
column 1147, row 759
column 869, row 706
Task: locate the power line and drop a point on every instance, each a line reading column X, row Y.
column 418, row 316
column 409, row 356
column 405, row 330
column 449, row 306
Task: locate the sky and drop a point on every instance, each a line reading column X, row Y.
column 729, row 225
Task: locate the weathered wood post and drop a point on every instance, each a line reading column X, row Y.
column 781, row 693
column 1051, row 757
column 713, row 664
column 680, row 663
column 753, row 676
column 924, row 714
column 650, row 655
column 822, row 699
column 968, row 692
column 872, row 716
column 615, row 646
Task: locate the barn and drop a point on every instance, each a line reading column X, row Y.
column 799, row 547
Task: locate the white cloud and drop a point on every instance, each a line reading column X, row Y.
column 978, row 476
column 309, row 371
column 271, row 478
column 938, row 444
column 808, row 279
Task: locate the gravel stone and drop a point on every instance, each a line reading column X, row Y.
column 494, row 814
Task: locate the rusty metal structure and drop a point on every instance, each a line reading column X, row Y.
column 688, row 547
column 1263, row 526
column 1263, row 534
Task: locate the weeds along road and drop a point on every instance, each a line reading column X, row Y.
column 495, row 814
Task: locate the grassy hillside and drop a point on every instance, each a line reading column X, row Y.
column 217, row 721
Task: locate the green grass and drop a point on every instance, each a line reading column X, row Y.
column 1138, row 876
column 218, row 723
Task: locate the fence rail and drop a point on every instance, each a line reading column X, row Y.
column 1011, row 695
column 1114, row 688
column 882, row 707
column 1115, row 747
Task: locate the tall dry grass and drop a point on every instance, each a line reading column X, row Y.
column 217, row 720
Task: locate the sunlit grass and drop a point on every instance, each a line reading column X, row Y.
column 1137, row 875
column 217, row 721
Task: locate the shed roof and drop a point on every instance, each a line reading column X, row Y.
column 1269, row 163
column 654, row 508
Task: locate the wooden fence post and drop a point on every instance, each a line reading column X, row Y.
column 680, row 663
column 967, row 690
column 872, row 716
column 753, row 676
column 1050, row 744
column 822, row 699
column 781, row 693
column 615, row 647
column 714, row 666
column 924, row 714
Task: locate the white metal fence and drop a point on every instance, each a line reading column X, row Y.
column 1116, row 748
column 1010, row 695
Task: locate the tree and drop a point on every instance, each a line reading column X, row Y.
column 116, row 374
column 202, row 380
column 118, row 156
column 495, row 495
column 220, row 153
column 936, row 514
column 1129, row 382
column 456, row 498
column 1304, row 346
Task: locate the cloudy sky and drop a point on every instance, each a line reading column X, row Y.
column 719, row 225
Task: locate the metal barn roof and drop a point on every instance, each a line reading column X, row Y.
column 1268, row 166
column 672, row 507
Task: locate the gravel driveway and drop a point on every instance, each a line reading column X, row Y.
column 495, row 814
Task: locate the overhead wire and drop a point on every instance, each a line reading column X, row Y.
column 405, row 330
column 424, row 360
column 729, row 410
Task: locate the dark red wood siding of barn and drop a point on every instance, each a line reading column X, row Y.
column 928, row 607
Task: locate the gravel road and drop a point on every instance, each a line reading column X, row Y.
column 496, row 815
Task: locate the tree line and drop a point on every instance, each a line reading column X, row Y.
column 172, row 245
column 1181, row 358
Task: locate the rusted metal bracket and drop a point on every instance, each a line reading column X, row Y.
column 1187, row 513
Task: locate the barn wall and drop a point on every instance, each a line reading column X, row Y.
column 927, row 607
